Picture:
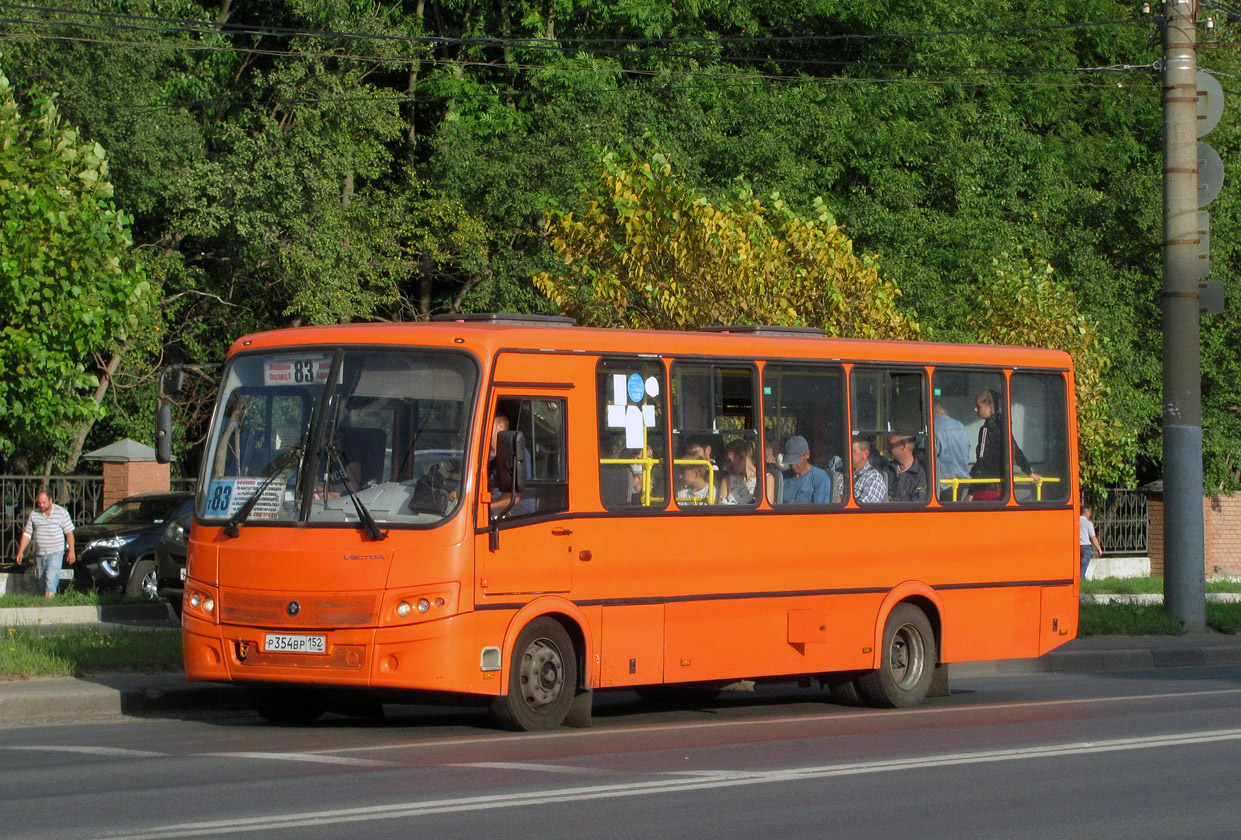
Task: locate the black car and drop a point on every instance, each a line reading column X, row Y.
column 117, row 550
column 170, row 557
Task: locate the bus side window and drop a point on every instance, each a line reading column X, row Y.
column 890, row 418
column 1040, row 431
column 633, row 456
column 970, row 435
column 804, row 404
column 714, row 436
column 541, row 421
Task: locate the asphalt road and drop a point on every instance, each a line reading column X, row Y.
column 1139, row 754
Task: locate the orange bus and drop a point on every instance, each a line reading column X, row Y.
column 521, row 511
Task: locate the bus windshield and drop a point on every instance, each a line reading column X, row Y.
column 321, row 432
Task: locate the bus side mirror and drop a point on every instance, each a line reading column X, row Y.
column 511, row 461
column 163, row 433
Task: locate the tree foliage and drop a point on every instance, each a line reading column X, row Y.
column 649, row 252
column 291, row 162
column 72, row 292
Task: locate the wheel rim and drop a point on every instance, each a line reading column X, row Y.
column 907, row 656
column 150, row 585
column 542, row 674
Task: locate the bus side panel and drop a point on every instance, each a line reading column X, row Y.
column 1060, row 607
column 632, row 645
column 709, row 640
column 993, row 623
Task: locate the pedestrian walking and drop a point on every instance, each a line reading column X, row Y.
column 1086, row 539
column 51, row 529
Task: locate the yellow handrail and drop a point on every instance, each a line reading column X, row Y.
column 955, row 483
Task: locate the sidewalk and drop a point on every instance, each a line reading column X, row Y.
column 108, row 696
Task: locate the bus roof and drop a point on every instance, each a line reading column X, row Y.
column 485, row 338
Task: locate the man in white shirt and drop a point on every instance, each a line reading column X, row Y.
column 51, row 529
column 1086, row 538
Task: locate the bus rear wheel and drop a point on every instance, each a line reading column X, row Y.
column 908, row 665
column 542, row 679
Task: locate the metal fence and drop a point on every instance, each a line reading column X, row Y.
column 81, row 495
column 1120, row 523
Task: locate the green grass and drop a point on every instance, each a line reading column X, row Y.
column 72, row 652
column 1149, row 620
column 70, row 598
column 1146, row 586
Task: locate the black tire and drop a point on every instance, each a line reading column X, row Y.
column 542, row 679
column 908, row 665
column 288, row 705
column 844, row 688
column 143, row 580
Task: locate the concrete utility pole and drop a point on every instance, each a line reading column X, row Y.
column 1184, row 586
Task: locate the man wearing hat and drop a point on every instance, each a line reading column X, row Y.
column 807, row 484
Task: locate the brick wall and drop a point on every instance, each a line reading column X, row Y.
column 1221, row 534
column 126, row 479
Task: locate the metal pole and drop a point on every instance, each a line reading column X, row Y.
column 1184, row 575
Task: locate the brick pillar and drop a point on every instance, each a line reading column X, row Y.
column 130, row 477
column 1222, row 534
column 1154, row 533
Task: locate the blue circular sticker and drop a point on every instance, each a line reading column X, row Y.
column 636, row 387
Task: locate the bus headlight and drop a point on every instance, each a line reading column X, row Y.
column 423, row 605
column 403, row 609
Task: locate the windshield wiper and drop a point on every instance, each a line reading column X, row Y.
column 232, row 528
column 364, row 516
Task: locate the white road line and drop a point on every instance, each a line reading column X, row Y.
column 407, row 810
column 110, row 751
column 315, row 759
column 832, row 715
column 538, row 768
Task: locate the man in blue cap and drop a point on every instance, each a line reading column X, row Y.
column 805, row 484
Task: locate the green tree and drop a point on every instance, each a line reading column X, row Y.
column 72, row 291
column 649, row 252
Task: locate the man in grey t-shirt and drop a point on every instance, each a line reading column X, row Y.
column 51, row 530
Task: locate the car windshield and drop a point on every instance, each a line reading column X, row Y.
column 139, row 512
column 325, row 431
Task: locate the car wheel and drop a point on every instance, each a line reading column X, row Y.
column 143, row 581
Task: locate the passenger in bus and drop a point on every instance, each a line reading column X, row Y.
column 739, row 485
column 952, row 451
column 699, row 448
column 910, row 482
column 804, row 483
column 695, row 486
column 869, row 485
column 991, row 455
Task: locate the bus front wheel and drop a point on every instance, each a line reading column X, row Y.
column 908, row 666
column 542, row 679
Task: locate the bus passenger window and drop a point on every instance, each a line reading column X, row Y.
column 714, row 436
column 888, row 452
column 805, row 434
column 1040, row 433
column 977, row 401
column 633, row 457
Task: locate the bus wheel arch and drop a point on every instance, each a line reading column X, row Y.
column 907, row 660
column 921, row 596
column 541, row 677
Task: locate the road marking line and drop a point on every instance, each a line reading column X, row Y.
column 835, row 715
column 113, row 751
column 316, row 759
column 407, row 810
column 538, row 768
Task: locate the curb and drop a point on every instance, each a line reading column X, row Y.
column 110, row 613
column 53, row 700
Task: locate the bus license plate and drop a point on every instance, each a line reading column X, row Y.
column 288, row 643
